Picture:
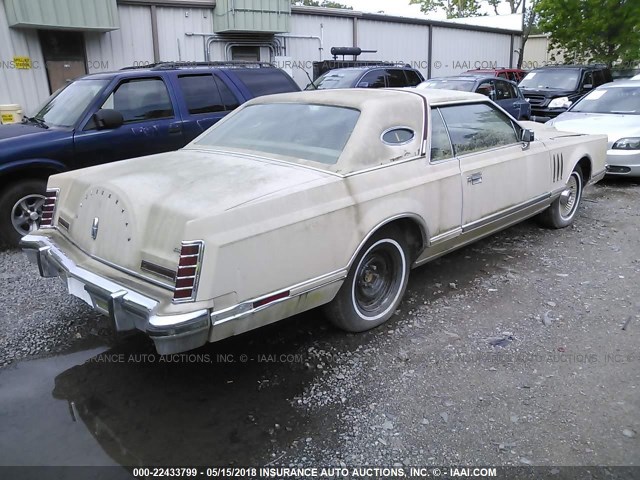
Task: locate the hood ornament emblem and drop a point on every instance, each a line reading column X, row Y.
column 94, row 228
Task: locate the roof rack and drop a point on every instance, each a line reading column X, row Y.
column 212, row 64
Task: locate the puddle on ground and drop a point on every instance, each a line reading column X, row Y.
column 128, row 406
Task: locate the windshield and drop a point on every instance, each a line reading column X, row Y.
column 317, row 133
column 556, row 79
column 335, row 79
column 63, row 108
column 449, row 84
column 617, row 100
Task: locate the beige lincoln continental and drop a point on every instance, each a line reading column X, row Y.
column 302, row 200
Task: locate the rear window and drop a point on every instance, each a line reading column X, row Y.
column 316, row 133
column 266, row 81
column 413, row 78
column 335, row 79
column 450, row 84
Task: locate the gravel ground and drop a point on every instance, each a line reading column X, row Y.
column 522, row 349
column 533, row 359
column 38, row 317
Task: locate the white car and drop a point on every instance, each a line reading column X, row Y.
column 612, row 109
column 296, row 201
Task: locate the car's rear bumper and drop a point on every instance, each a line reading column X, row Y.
column 127, row 309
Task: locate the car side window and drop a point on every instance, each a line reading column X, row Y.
column 396, row 78
column 598, row 76
column 413, row 79
column 201, row 94
column 141, row 99
column 373, row 79
column 486, row 88
column 588, row 79
column 503, row 90
column 478, row 126
column 229, row 99
column 440, row 143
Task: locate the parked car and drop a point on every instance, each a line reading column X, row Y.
column 113, row 116
column 612, row 109
column 513, row 74
column 552, row 90
column 368, row 77
column 302, row 200
column 504, row 92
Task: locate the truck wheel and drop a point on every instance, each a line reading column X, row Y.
column 375, row 284
column 20, row 210
column 562, row 211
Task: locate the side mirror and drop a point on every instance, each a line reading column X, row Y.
column 587, row 86
column 528, row 136
column 108, row 119
column 363, row 85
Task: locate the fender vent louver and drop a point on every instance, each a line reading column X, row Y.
column 558, row 167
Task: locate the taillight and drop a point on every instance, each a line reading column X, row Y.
column 188, row 274
column 49, row 208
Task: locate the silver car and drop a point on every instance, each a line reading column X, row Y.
column 612, row 109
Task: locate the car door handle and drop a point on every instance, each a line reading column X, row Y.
column 475, row 179
column 176, row 128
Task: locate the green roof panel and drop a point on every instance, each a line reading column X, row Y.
column 95, row 15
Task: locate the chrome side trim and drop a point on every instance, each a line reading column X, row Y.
column 476, row 234
column 443, row 237
column 156, row 269
column 596, row 177
column 246, row 308
column 385, row 165
column 505, row 213
column 152, row 281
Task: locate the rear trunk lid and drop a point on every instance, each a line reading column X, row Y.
column 139, row 209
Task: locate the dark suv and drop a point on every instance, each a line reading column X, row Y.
column 112, row 116
column 368, row 77
column 552, row 90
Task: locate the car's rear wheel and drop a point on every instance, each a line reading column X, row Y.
column 563, row 210
column 375, row 284
column 20, row 210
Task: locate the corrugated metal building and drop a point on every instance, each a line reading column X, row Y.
column 44, row 43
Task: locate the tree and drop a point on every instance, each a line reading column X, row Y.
column 323, row 3
column 453, row 8
column 606, row 31
column 529, row 25
column 514, row 5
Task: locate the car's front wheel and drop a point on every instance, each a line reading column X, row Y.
column 563, row 210
column 20, row 210
column 375, row 284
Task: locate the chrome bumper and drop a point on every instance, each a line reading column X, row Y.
column 127, row 309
